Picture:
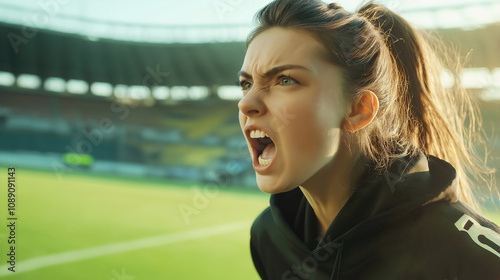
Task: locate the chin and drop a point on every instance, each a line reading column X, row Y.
column 271, row 185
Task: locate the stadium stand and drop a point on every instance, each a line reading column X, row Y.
column 184, row 138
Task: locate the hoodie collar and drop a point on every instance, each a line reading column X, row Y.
column 410, row 182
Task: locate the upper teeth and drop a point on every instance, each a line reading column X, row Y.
column 258, row 134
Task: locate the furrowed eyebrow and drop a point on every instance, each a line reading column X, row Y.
column 274, row 71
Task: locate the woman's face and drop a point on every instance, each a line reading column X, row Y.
column 293, row 96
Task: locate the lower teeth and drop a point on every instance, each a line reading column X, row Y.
column 264, row 162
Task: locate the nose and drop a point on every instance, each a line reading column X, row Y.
column 251, row 105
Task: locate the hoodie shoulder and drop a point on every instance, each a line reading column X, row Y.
column 461, row 210
column 472, row 226
column 472, row 241
column 262, row 222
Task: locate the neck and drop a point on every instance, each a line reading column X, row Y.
column 328, row 190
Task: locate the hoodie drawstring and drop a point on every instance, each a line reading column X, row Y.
column 336, row 266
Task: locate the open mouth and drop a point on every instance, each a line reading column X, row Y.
column 263, row 147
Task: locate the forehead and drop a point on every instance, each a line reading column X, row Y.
column 278, row 45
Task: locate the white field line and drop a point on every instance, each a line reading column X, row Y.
column 120, row 247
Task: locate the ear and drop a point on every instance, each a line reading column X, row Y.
column 362, row 111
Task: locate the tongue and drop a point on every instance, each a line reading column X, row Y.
column 268, row 152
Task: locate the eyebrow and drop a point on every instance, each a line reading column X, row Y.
column 274, row 71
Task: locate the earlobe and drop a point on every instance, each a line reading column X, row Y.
column 362, row 112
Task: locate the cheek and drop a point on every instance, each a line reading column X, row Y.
column 302, row 127
column 311, row 136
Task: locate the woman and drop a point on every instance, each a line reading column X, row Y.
column 363, row 150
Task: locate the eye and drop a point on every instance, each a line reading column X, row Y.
column 287, row 80
column 245, row 85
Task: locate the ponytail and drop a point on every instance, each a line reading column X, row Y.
column 439, row 121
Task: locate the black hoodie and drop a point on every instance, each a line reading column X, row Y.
column 404, row 224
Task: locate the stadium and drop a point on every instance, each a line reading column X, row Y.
column 125, row 139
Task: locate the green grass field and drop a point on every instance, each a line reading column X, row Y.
column 83, row 211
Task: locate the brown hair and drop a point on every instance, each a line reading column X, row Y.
column 378, row 50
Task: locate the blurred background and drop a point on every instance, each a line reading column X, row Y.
column 121, row 121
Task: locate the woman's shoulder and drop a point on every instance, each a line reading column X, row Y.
column 471, row 240
column 462, row 220
column 438, row 239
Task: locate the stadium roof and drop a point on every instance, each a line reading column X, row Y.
column 211, row 20
column 49, row 54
